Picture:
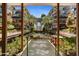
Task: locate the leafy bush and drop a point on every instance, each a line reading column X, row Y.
column 10, row 27
column 69, row 44
column 15, row 46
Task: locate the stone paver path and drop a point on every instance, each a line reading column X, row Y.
column 40, row 47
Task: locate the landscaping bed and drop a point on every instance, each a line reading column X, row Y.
column 14, row 46
column 66, row 45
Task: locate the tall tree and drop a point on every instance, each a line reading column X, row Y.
column 43, row 15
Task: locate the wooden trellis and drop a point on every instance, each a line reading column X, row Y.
column 58, row 28
column 77, row 30
column 22, row 28
column 4, row 28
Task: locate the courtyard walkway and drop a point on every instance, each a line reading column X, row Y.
column 40, row 47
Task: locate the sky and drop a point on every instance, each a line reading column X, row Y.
column 38, row 10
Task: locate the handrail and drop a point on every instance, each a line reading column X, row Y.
column 11, row 34
column 66, row 34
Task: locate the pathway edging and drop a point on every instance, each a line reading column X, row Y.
column 61, row 54
column 20, row 54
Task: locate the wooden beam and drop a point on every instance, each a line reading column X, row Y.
column 22, row 26
column 77, row 30
column 4, row 28
column 41, row 4
column 57, row 29
column 33, row 4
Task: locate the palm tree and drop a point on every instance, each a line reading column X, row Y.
column 47, row 19
column 47, row 22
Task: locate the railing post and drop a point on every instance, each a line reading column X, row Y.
column 57, row 29
column 22, row 26
column 4, row 28
column 77, row 30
